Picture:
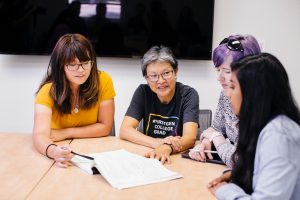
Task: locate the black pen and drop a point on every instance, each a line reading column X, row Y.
column 84, row 156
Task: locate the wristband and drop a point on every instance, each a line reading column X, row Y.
column 170, row 147
column 215, row 134
column 46, row 152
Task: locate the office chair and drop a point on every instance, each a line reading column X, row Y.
column 141, row 126
column 113, row 130
column 205, row 118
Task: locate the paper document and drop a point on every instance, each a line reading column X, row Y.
column 123, row 169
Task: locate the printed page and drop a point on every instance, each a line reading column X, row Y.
column 83, row 163
column 123, row 169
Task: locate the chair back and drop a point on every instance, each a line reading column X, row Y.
column 205, row 118
column 140, row 127
column 113, row 130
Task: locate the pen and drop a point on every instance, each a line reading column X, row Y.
column 205, row 151
column 84, row 156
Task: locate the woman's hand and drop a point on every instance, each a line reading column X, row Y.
column 174, row 141
column 197, row 153
column 161, row 153
column 223, row 178
column 213, row 189
column 62, row 155
column 218, row 182
column 57, row 136
column 207, row 133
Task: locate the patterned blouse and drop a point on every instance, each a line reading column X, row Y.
column 226, row 122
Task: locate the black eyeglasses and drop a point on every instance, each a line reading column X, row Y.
column 84, row 65
column 154, row 77
column 233, row 44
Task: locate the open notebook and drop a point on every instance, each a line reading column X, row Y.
column 123, row 169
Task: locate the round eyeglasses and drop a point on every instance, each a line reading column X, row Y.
column 84, row 65
column 233, row 44
column 155, row 77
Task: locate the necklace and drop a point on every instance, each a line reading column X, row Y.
column 76, row 110
column 76, row 107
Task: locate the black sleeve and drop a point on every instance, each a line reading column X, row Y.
column 191, row 106
column 137, row 104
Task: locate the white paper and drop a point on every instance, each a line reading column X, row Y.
column 83, row 163
column 123, row 169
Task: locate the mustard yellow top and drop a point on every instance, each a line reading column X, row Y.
column 83, row 117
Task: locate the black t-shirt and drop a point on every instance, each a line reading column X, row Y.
column 162, row 120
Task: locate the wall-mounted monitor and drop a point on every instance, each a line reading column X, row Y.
column 116, row 28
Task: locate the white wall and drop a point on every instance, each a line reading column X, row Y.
column 275, row 23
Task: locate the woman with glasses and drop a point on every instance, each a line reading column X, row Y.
column 168, row 109
column 74, row 100
column 223, row 133
column 266, row 163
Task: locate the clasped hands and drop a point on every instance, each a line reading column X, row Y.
column 164, row 148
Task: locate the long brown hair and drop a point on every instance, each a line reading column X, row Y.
column 69, row 47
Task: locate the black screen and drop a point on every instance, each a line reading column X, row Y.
column 116, row 28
